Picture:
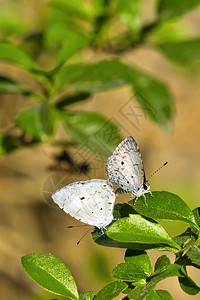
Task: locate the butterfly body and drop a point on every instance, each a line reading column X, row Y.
column 90, row 201
column 125, row 169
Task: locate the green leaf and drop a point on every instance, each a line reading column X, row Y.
column 93, row 131
column 170, row 30
column 152, row 296
column 95, row 77
column 122, row 210
column 57, row 31
column 87, row 296
column 14, row 54
column 40, row 121
column 8, row 85
column 188, row 285
column 111, row 290
column 129, row 13
column 73, row 8
column 186, row 239
column 159, row 295
column 140, row 292
column 181, row 52
column 137, row 229
column 128, row 271
column 162, row 264
column 104, row 240
column 51, row 274
column 196, row 213
column 139, row 258
column 194, row 255
column 164, row 295
column 71, row 46
column 171, row 8
column 152, row 95
column 165, row 206
column 71, row 99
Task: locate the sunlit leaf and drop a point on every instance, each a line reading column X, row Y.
column 139, row 258
column 162, row 264
column 104, row 240
column 166, row 206
column 50, row 273
column 137, row 229
column 128, row 271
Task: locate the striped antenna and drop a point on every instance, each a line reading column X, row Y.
column 157, row 170
column 72, row 226
column 84, row 235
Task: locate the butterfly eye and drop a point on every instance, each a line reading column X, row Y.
column 146, row 186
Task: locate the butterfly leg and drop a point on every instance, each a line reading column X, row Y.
column 145, row 202
column 135, row 200
column 151, row 194
column 102, row 230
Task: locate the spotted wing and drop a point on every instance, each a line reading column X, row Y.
column 90, row 201
column 125, row 167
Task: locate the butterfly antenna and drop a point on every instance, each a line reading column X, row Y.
column 157, row 170
column 72, row 226
column 84, row 235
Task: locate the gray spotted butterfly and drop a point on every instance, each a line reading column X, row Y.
column 125, row 169
column 90, row 201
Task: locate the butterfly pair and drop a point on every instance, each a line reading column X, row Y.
column 92, row 201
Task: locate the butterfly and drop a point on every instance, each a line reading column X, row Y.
column 125, row 169
column 90, row 201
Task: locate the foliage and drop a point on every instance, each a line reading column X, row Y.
column 67, row 30
column 135, row 277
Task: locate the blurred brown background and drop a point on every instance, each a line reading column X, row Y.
column 28, row 220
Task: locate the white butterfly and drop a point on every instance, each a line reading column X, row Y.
column 90, row 201
column 125, row 169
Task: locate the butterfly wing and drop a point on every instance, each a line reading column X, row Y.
column 125, row 167
column 90, row 201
